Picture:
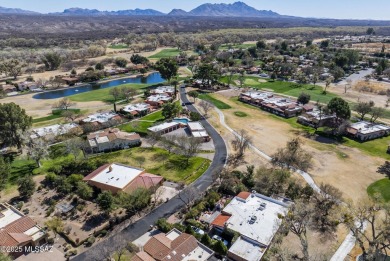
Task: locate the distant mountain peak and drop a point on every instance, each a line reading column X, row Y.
column 178, row 12
column 5, row 10
column 237, row 9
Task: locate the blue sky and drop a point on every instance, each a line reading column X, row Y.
column 357, row 9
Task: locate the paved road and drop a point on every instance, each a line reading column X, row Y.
column 140, row 227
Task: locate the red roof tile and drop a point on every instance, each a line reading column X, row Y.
column 142, row 256
column 145, row 180
column 244, row 194
column 20, row 225
column 220, row 220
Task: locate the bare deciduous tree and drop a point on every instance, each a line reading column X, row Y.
column 153, row 138
column 206, row 106
column 187, row 194
column 168, row 142
column 297, row 221
column 375, row 240
column 241, row 142
column 64, row 104
column 292, row 156
column 189, row 146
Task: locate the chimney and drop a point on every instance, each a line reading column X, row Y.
column 110, row 168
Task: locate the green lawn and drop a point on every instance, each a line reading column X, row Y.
column 235, row 46
column 286, row 88
column 56, row 114
column 141, row 126
column 381, row 187
column 240, row 114
column 103, row 94
column 219, row 104
column 159, row 162
column 377, row 147
column 166, row 53
column 171, row 52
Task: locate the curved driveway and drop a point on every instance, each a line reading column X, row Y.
column 137, row 229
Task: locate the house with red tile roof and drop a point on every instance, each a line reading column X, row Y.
column 112, row 139
column 117, row 177
column 18, row 230
column 173, row 246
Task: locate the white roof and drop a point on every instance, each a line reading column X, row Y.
column 118, row 177
column 136, row 107
column 248, row 249
column 163, row 126
column 57, row 129
column 267, row 221
column 258, row 95
column 173, row 234
column 201, row 253
column 9, row 216
column 195, row 126
column 158, row 97
column 164, row 89
column 100, row 117
column 199, row 134
column 103, row 139
column 365, row 127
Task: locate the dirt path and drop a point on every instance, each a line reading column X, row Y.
column 348, row 169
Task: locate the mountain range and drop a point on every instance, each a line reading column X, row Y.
column 4, row 10
column 237, row 9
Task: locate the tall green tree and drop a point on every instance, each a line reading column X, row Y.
column 121, row 62
column 167, row 67
column 339, row 107
column 363, row 108
column 5, row 169
column 26, row 186
column 105, row 201
column 207, row 74
column 52, row 61
column 193, row 94
column 83, row 190
column 170, row 110
column 14, row 122
column 304, row 98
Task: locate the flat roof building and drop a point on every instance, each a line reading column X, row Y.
column 278, row 105
column 138, row 109
column 364, row 130
column 245, row 248
column 165, row 127
column 100, row 118
column 158, row 100
column 112, row 139
column 256, row 218
column 168, row 90
column 116, row 177
column 53, row 130
column 198, row 131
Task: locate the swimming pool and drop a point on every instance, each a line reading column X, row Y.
column 181, row 120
